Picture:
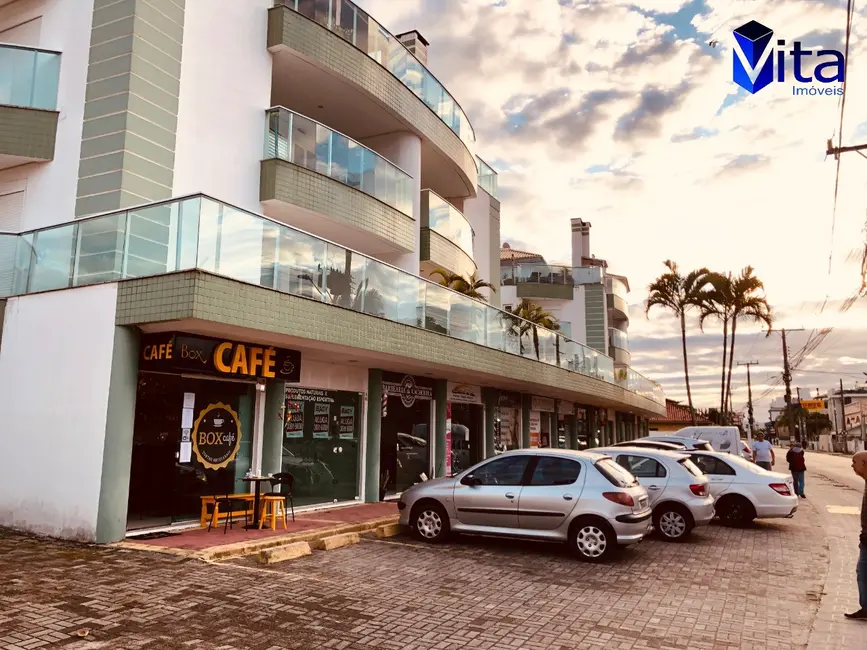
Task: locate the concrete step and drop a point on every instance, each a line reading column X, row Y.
column 283, row 553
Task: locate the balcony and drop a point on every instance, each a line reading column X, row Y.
column 446, row 237
column 311, row 171
column 618, row 346
column 201, row 233
column 548, row 281
column 618, row 307
column 362, row 80
column 487, row 178
column 28, row 105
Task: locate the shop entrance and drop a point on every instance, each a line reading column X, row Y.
column 405, row 434
column 467, row 435
column 167, row 478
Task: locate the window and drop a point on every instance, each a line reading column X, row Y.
column 711, row 465
column 641, row 466
column 616, row 474
column 507, row 307
column 502, row 471
column 690, row 467
column 555, row 471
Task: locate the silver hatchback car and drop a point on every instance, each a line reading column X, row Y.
column 584, row 499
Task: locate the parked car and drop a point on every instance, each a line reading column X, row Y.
column 679, row 491
column 652, row 444
column 683, row 442
column 744, row 491
column 584, row 499
column 723, row 439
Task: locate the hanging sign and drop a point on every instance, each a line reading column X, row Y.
column 217, row 436
column 347, row 423
column 294, row 420
column 321, row 417
column 508, row 399
column 464, row 393
column 408, row 388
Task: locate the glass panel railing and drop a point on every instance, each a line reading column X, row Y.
column 199, row 232
column 618, row 338
column 305, row 142
column 487, row 178
column 355, row 26
column 588, row 275
column 445, row 219
column 549, row 274
column 28, row 77
column 617, row 287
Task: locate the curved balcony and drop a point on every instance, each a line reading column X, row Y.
column 446, row 237
column 618, row 307
column 362, row 80
column 201, row 233
column 618, row 346
column 311, row 171
column 28, row 104
column 487, row 178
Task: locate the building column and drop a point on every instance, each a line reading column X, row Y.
column 441, row 399
column 373, row 435
column 571, row 422
column 526, row 406
column 273, row 430
column 490, row 398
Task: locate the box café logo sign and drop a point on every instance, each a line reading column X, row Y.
column 217, row 436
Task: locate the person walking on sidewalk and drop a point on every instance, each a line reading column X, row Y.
column 797, row 466
column 763, row 453
column 859, row 466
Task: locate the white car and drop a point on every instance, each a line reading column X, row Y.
column 744, row 491
column 679, row 492
column 682, row 441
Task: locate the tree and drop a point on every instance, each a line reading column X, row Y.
column 342, row 289
column 528, row 317
column 679, row 293
column 717, row 301
column 747, row 304
column 467, row 285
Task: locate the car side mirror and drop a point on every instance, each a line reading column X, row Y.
column 471, row 480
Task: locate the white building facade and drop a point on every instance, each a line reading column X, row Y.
column 217, row 227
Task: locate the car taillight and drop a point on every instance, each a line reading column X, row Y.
column 620, row 497
column 747, row 450
column 781, row 488
column 699, row 489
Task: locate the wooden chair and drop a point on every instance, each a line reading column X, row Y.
column 275, row 500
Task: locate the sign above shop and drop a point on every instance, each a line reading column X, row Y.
column 176, row 352
column 408, row 388
column 565, row 408
column 217, row 436
column 509, row 400
column 464, row 393
column 543, row 404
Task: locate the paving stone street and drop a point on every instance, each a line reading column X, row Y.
column 780, row 584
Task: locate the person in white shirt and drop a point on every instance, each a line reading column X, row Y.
column 763, row 453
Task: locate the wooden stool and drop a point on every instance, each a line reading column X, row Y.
column 274, row 507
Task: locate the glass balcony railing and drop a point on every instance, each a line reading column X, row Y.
column 618, row 338
column 300, row 140
column 355, row 26
column 29, row 77
column 201, row 233
column 444, row 218
column 617, row 287
column 487, row 178
column 549, row 274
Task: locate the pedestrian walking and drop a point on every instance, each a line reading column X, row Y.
column 797, row 466
column 763, row 453
column 859, row 466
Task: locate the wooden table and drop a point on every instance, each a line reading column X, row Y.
column 257, row 481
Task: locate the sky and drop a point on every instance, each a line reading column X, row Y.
column 621, row 113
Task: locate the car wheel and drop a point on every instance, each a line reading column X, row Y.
column 672, row 523
column 736, row 510
column 592, row 539
column 430, row 522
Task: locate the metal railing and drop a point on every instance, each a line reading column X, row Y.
column 29, row 77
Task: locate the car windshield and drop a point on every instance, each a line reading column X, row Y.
column 616, row 474
column 691, row 467
column 734, row 459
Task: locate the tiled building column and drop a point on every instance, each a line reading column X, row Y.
column 441, row 400
column 490, row 398
column 374, row 434
column 272, row 433
column 526, row 406
column 572, row 431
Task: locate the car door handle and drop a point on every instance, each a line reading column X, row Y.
column 509, row 495
column 653, row 487
column 567, row 497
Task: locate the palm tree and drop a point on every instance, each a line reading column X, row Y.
column 717, row 301
column 678, row 293
column 528, row 317
column 467, row 285
column 747, row 304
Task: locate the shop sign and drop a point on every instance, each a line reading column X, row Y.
column 347, row 422
column 321, row 419
column 217, row 436
column 449, row 438
column 464, row 393
column 813, row 405
column 297, row 394
column 565, row 408
column 535, row 428
column 543, row 404
column 294, row 422
column 203, row 355
column 509, row 400
column 408, row 389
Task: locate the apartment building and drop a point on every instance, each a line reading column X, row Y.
column 218, row 224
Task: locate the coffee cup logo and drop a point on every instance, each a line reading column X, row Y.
column 217, row 436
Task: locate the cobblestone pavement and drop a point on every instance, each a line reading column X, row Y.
column 726, row 589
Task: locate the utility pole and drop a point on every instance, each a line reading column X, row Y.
column 749, row 400
column 802, row 423
column 787, row 377
column 836, row 151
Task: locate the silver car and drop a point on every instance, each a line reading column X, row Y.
column 680, row 493
column 584, row 499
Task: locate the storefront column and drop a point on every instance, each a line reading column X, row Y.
column 372, row 437
column 258, row 427
column 526, row 407
column 572, row 430
column 272, row 431
column 490, row 398
column 441, row 398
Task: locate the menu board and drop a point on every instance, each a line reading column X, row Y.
column 294, row 426
column 321, row 416
column 347, row 422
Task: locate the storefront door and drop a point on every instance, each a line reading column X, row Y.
column 507, row 423
column 405, row 434
column 466, row 417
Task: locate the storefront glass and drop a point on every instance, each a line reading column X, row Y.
column 321, row 432
column 405, row 441
column 465, row 426
column 507, row 422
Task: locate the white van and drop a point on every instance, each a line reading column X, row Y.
column 723, row 439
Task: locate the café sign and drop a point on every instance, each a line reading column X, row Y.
column 176, row 352
column 217, row 436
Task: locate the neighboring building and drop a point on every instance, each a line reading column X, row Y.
column 219, row 226
column 676, row 417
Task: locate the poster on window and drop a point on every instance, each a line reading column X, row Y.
column 535, row 428
column 294, row 426
column 347, row 422
column 448, row 439
column 321, row 416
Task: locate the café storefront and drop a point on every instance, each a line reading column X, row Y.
column 200, row 405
